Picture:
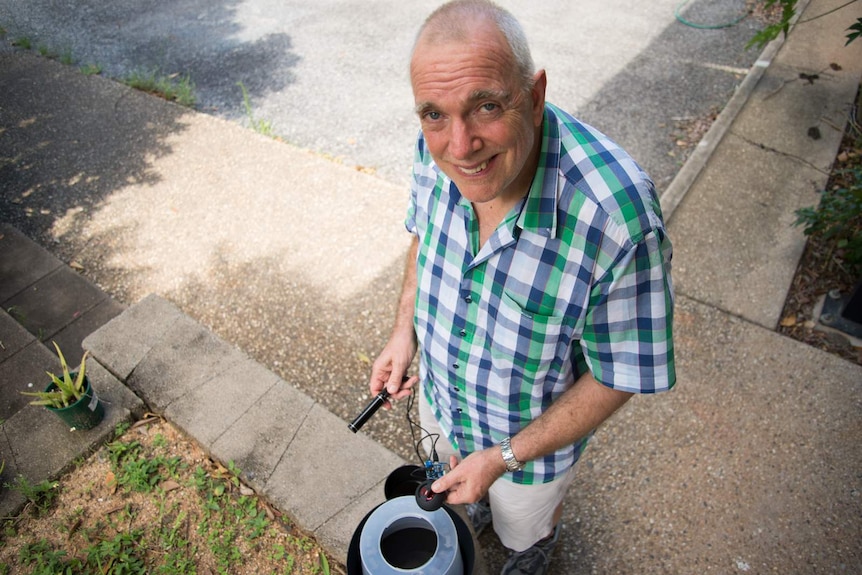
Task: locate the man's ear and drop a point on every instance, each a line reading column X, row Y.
column 540, row 82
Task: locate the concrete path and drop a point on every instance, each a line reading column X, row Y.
column 230, row 266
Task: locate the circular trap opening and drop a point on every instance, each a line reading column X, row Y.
column 408, row 543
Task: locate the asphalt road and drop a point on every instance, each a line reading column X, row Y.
column 331, row 75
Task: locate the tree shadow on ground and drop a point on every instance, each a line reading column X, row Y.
column 216, row 45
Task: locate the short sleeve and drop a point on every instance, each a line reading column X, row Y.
column 628, row 335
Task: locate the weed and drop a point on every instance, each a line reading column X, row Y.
column 207, row 523
column 260, row 126
column 91, row 69
column 46, row 560
column 17, row 313
column 41, row 495
column 179, row 552
column 174, row 88
column 121, row 428
column 139, row 472
column 24, row 43
column 120, row 555
column 159, row 440
column 838, row 217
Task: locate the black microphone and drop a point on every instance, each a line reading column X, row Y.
column 369, row 410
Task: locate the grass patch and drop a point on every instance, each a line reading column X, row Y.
column 23, row 42
column 152, row 502
column 173, row 87
column 90, row 69
column 258, row 125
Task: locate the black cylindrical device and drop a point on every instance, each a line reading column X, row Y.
column 369, row 410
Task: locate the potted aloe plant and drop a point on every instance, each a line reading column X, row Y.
column 71, row 396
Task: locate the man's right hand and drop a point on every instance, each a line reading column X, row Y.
column 390, row 368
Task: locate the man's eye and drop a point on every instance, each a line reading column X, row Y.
column 489, row 107
column 433, row 116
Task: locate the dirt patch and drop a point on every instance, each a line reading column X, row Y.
column 192, row 516
column 823, row 268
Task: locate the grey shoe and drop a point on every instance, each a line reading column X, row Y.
column 480, row 515
column 536, row 559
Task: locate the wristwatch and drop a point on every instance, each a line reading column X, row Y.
column 512, row 464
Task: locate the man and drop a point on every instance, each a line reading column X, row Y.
column 537, row 289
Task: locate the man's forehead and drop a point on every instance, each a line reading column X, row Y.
column 473, row 97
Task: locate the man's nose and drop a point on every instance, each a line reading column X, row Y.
column 463, row 141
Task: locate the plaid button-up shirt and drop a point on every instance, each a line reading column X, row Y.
column 575, row 278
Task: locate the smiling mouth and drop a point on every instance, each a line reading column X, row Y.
column 476, row 170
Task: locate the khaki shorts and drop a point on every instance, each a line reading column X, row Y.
column 523, row 514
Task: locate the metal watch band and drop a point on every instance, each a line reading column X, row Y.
column 512, row 464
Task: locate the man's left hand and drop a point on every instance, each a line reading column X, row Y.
column 469, row 480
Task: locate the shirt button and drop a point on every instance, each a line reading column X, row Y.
column 468, row 299
column 455, row 366
column 463, row 332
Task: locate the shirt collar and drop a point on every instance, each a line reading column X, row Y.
column 539, row 214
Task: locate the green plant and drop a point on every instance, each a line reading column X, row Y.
column 136, row 471
column 788, row 11
column 206, row 521
column 174, row 88
column 260, row 126
column 23, row 42
column 17, row 313
column 41, row 495
column 65, row 390
column 45, row 560
column 91, row 69
column 120, row 555
column 838, row 217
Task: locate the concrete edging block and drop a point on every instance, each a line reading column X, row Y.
column 213, row 406
column 186, row 356
column 258, row 440
column 124, row 341
column 326, row 468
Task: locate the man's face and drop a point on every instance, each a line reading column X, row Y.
column 481, row 127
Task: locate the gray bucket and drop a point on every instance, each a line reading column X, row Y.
column 400, row 538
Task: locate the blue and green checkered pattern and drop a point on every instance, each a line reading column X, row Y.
column 576, row 278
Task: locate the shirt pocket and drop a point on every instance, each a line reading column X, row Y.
column 524, row 345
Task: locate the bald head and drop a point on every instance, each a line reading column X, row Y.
column 458, row 22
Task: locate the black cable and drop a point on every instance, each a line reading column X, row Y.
column 434, row 437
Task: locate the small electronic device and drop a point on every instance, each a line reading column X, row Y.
column 425, row 497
